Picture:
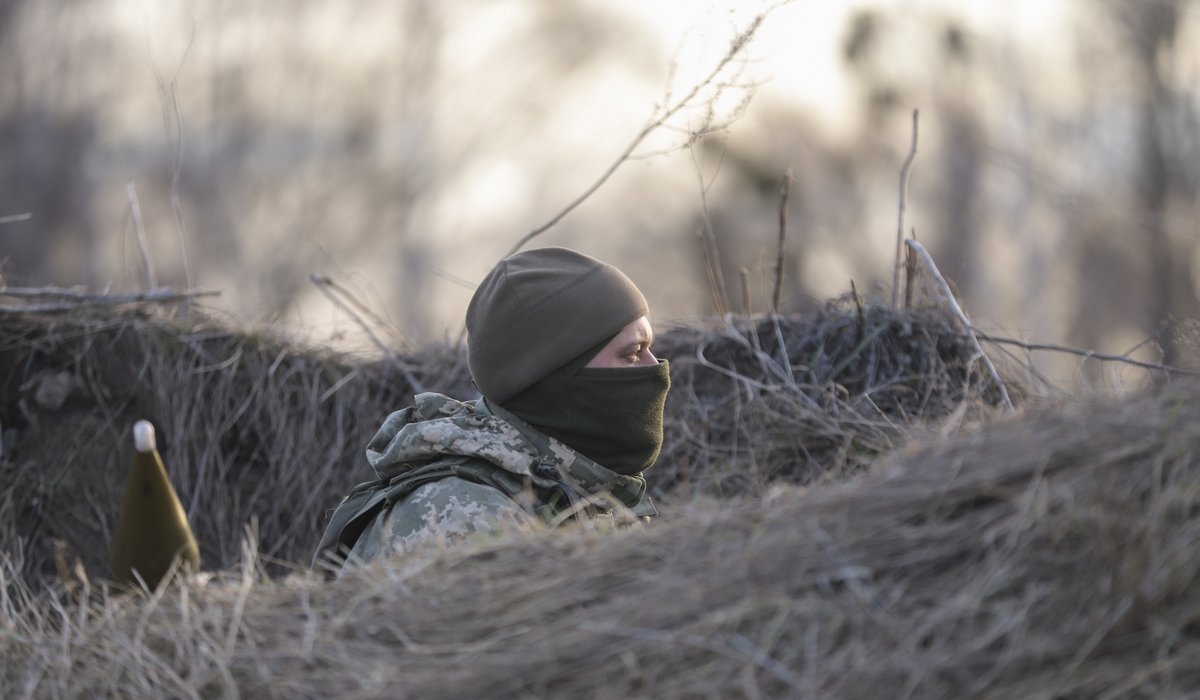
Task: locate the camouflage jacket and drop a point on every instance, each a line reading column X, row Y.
column 448, row 469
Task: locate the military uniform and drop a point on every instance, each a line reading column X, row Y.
column 449, row 470
column 527, row 452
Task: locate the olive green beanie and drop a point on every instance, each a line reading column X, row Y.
column 539, row 309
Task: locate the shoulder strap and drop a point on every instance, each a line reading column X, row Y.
column 349, row 520
column 367, row 500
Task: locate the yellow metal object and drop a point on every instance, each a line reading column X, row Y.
column 152, row 529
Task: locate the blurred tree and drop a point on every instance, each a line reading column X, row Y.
column 1150, row 29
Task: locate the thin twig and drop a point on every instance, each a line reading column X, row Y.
column 165, row 294
column 783, row 352
column 712, row 280
column 912, row 153
column 746, row 293
column 658, row 119
column 135, row 213
column 16, row 217
column 911, row 277
column 353, row 300
column 1082, row 353
column 176, row 208
column 72, row 299
column 173, row 105
column 962, row 316
column 782, row 250
column 323, row 284
column 862, row 318
column 712, row 253
column 1153, row 337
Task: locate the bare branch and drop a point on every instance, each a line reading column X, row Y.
column 326, row 286
column 659, row 118
column 366, row 311
column 72, row 299
column 962, row 317
column 1083, row 353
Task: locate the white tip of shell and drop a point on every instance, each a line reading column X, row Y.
column 143, row 436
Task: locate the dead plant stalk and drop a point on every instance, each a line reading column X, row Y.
column 712, row 255
column 781, row 251
column 962, row 316
column 904, row 170
column 325, row 285
column 135, row 213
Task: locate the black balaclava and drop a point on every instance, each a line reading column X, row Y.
column 611, row 415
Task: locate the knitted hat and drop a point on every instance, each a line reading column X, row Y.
column 539, row 309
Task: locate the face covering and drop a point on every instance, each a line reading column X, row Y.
column 611, row 415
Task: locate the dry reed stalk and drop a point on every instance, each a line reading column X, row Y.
column 712, row 253
column 962, row 317
column 746, row 305
column 1050, row 556
column 904, row 169
column 862, row 321
column 910, row 277
column 135, row 213
column 781, row 249
column 712, row 278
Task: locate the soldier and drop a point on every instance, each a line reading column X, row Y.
column 571, row 415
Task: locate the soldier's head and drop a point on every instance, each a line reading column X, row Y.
column 563, row 341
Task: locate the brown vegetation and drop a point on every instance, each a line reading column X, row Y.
column 742, row 594
column 1047, row 556
column 254, row 427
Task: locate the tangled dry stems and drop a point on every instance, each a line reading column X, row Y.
column 252, row 426
column 1049, row 556
column 744, row 414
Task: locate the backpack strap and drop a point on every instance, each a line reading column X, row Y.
column 362, row 506
column 349, row 519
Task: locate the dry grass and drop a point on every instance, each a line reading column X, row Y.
column 1048, row 556
column 743, row 415
column 926, row 576
column 249, row 424
column 254, row 427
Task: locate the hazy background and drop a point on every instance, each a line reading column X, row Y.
column 404, row 147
